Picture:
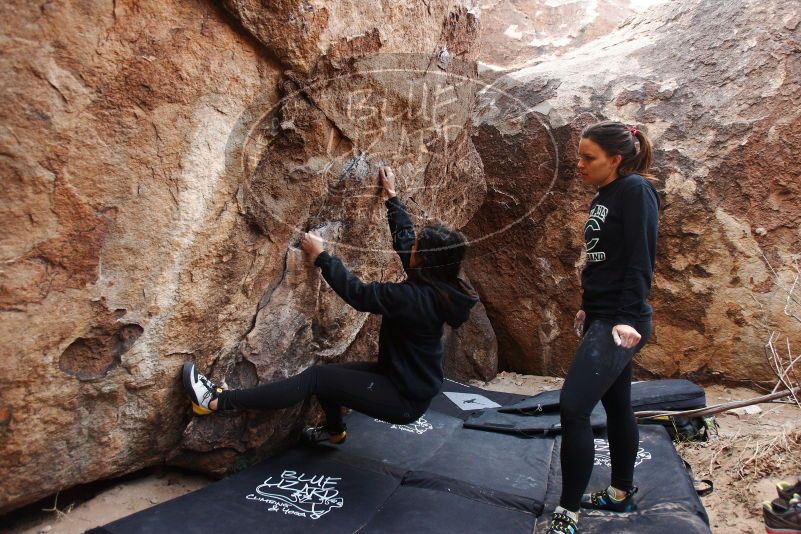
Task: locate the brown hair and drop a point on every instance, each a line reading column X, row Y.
column 615, row 138
column 440, row 251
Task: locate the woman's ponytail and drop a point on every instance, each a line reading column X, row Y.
column 640, row 162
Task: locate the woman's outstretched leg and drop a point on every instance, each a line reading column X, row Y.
column 360, row 386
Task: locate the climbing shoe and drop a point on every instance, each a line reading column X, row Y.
column 200, row 389
column 783, row 520
column 778, row 505
column 562, row 523
column 603, row 500
column 318, row 434
column 787, row 490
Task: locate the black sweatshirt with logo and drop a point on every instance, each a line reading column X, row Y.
column 413, row 314
column 620, row 240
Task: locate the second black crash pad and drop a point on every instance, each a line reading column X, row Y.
column 666, row 500
column 428, row 511
column 668, row 394
column 398, row 447
column 497, row 469
column 540, row 414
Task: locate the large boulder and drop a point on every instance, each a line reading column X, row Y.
column 717, row 85
column 519, row 32
column 471, row 351
column 160, row 162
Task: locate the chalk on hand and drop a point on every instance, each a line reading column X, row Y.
column 616, row 337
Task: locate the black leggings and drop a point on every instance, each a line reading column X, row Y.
column 358, row 385
column 601, row 371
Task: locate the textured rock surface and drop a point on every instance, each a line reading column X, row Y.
column 159, row 163
column 518, row 32
column 471, row 351
column 717, row 85
column 121, row 230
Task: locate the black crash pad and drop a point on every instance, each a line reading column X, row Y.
column 670, row 394
column 497, row 469
column 300, row 491
column 431, row 476
column 438, row 453
column 540, row 414
column 412, row 510
column 401, row 447
column 666, row 500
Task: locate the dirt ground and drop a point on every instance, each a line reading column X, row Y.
column 753, row 452
column 118, row 500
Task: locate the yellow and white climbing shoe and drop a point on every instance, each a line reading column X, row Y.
column 200, row 389
column 318, row 434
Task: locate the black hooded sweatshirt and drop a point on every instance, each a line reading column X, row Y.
column 413, row 313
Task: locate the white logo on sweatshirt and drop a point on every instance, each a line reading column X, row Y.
column 598, row 215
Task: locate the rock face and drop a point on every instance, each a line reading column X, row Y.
column 519, row 32
column 717, row 85
column 471, row 351
column 160, row 161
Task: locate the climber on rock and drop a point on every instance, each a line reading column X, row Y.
column 398, row 387
column 614, row 319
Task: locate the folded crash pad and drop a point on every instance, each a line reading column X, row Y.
column 540, row 414
column 671, row 394
column 526, row 425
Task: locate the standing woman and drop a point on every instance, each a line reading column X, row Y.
column 615, row 320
